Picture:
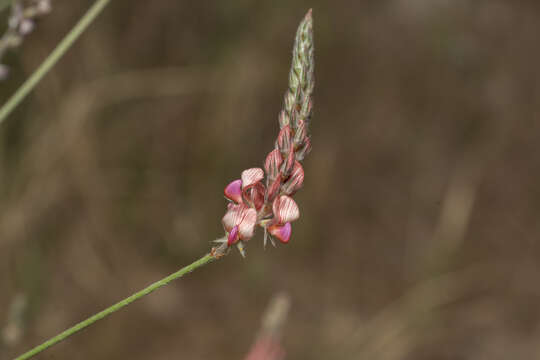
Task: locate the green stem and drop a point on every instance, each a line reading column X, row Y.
column 52, row 59
column 100, row 315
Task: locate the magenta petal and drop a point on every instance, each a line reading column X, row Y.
column 233, row 236
column 282, row 232
column 233, row 191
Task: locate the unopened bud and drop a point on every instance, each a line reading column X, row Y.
column 288, row 164
column 300, row 133
column 283, row 142
column 307, row 107
column 289, row 101
column 272, row 163
column 295, row 181
column 283, row 119
column 273, row 189
column 304, row 149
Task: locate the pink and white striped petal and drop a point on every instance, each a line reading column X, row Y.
column 232, row 217
column 233, row 191
column 246, row 228
column 251, row 177
column 242, row 218
column 285, row 209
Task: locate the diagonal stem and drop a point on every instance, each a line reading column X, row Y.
column 52, row 59
column 208, row 258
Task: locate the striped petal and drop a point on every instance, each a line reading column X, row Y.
column 285, row 209
column 246, row 227
column 232, row 217
column 251, row 176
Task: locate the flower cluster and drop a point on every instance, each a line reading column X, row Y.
column 268, row 202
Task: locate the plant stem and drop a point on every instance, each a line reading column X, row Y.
column 208, row 258
column 52, row 59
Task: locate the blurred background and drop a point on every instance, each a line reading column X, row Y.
column 418, row 236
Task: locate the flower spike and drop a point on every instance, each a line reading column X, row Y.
column 269, row 204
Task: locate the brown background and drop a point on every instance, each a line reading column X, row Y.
column 419, row 231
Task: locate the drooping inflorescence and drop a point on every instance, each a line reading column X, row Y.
column 266, row 201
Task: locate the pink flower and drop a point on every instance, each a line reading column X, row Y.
column 285, row 211
column 247, row 194
column 249, row 190
column 239, row 222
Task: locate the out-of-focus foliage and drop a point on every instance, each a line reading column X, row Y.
column 419, row 230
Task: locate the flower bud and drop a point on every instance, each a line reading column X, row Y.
column 300, row 133
column 307, row 107
column 289, row 101
column 288, row 164
column 273, row 189
column 295, row 181
column 272, row 164
column 304, row 149
column 283, row 119
column 283, row 142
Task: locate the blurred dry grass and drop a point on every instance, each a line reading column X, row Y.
column 419, row 229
